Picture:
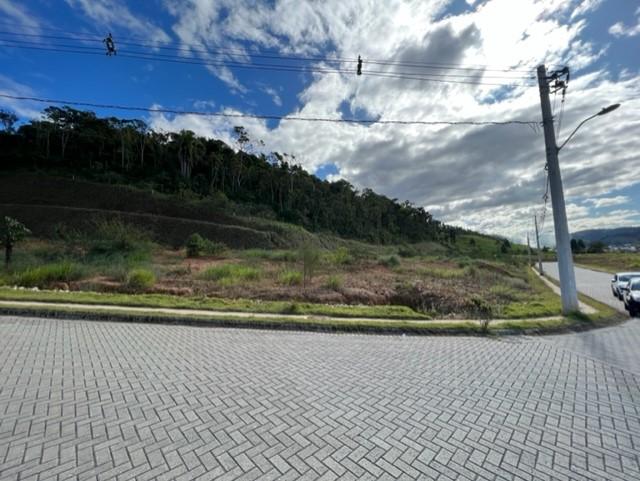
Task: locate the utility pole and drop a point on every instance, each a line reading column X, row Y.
column 535, row 221
column 563, row 243
column 528, row 251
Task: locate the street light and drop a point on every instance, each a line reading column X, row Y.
column 604, row 111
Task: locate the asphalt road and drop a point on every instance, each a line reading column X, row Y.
column 594, row 284
column 84, row 400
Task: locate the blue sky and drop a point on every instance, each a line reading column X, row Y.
column 490, row 179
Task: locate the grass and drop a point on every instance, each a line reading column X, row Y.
column 290, row 278
column 231, row 274
column 140, row 279
column 541, row 303
column 45, row 275
column 239, row 305
column 443, row 272
column 334, row 283
column 610, row 261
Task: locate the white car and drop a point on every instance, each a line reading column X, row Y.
column 620, row 281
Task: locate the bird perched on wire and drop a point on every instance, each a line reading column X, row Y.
column 110, row 44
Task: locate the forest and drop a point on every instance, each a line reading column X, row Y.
column 66, row 141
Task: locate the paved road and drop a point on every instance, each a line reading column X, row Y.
column 96, row 400
column 594, row 284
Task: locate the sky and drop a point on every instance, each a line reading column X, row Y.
column 485, row 178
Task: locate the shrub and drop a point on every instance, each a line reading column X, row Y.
column 290, row 278
column 141, row 279
column 112, row 236
column 230, row 274
column 43, row 276
column 198, row 246
column 310, row 259
column 407, row 251
column 390, row 261
column 334, row 283
column 341, row 256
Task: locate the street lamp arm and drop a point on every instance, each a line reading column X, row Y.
column 604, row 111
column 576, row 129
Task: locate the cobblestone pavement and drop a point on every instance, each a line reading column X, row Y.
column 594, row 284
column 96, row 400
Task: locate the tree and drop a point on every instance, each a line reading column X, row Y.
column 597, row 247
column 7, row 119
column 574, row 245
column 506, row 245
column 11, row 231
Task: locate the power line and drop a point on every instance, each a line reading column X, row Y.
column 266, row 117
column 198, row 49
column 253, row 66
column 155, row 56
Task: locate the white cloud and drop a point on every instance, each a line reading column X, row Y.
column 485, row 178
column 19, row 15
column 619, row 29
column 9, row 86
column 608, row 201
column 113, row 13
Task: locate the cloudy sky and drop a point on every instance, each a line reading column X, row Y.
column 488, row 178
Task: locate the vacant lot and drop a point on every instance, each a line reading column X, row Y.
column 610, row 261
column 427, row 279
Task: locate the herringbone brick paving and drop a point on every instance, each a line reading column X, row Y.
column 94, row 400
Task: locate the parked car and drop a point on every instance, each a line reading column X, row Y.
column 619, row 282
column 632, row 297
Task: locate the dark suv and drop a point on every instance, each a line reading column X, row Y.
column 632, row 297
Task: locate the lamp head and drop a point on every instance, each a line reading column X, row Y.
column 608, row 109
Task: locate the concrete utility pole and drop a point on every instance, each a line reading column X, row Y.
column 529, row 251
column 540, row 271
column 563, row 242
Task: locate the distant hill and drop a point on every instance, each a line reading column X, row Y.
column 612, row 237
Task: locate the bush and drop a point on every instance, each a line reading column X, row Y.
column 334, row 283
column 112, row 236
column 141, row 279
column 290, row 278
column 231, row 274
column 390, row 261
column 341, row 256
column 197, row 246
column 47, row 274
column 407, row 251
column 310, row 259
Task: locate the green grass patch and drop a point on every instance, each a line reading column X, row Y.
column 140, row 279
column 276, row 255
column 443, row 272
column 290, row 278
column 231, row 274
column 334, row 282
column 45, row 275
column 239, row 305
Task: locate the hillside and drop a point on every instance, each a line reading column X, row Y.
column 612, row 237
column 47, row 204
column 239, row 178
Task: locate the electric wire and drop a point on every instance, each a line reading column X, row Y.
column 156, row 56
column 265, row 116
column 253, row 66
column 198, row 49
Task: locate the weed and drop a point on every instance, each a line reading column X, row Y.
column 407, row 251
column 389, row 262
column 310, row 256
column 341, row 256
column 272, row 255
column 290, row 278
column 443, row 272
column 140, row 279
column 231, row 274
column 334, row 283
column 198, row 246
column 112, row 236
column 43, row 276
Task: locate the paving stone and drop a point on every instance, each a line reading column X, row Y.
column 96, row 400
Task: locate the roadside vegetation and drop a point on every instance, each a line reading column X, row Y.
column 423, row 280
column 610, row 261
